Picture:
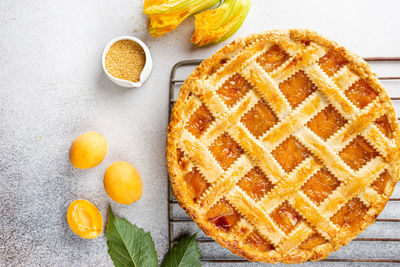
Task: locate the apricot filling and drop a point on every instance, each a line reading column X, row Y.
column 312, row 241
column 384, row 125
column 256, row 241
column 358, row 153
column 326, row 122
column 286, row 217
column 351, row 215
column 273, row 58
column 297, row 88
column 84, row 219
column 234, row 89
column 259, row 119
column 200, row 120
column 255, row 183
column 181, row 158
column 223, row 215
column 218, row 65
column 380, row 183
column 320, row 185
column 332, row 62
column 290, row 153
column 225, row 150
column 360, row 93
column 197, row 184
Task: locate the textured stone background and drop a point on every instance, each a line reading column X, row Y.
column 52, row 89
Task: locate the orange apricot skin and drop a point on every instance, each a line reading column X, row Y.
column 88, row 150
column 122, row 183
column 84, row 219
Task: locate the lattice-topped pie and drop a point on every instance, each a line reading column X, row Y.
column 283, row 146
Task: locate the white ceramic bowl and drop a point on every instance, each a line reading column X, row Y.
column 148, row 65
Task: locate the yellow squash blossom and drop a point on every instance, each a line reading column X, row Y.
column 217, row 25
column 166, row 15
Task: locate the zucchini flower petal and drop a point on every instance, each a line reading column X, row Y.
column 217, row 25
column 166, row 15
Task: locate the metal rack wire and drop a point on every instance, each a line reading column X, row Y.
column 219, row 257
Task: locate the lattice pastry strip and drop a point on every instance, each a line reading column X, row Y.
column 353, row 186
column 324, row 153
column 301, row 60
column 380, row 142
column 229, row 118
column 255, row 215
column 267, row 89
column 314, row 215
column 202, row 90
column 292, row 183
column 296, row 237
column 224, row 185
column 344, row 78
column 312, row 105
column 285, row 189
column 241, row 60
column 329, row 89
column 356, row 126
column 287, row 142
column 200, row 156
column 257, row 152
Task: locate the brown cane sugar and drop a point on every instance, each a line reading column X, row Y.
column 125, row 60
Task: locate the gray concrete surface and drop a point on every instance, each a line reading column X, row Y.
column 52, row 89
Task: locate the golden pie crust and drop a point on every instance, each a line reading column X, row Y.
column 283, row 146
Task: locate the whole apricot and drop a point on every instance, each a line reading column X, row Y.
column 88, row 150
column 122, row 183
column 84, row 219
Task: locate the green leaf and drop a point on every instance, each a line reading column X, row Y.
column 129, row 245
column 183, row 254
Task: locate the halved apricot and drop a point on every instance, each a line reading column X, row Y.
column 84, row 219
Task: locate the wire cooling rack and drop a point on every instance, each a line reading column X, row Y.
column 379, row 244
